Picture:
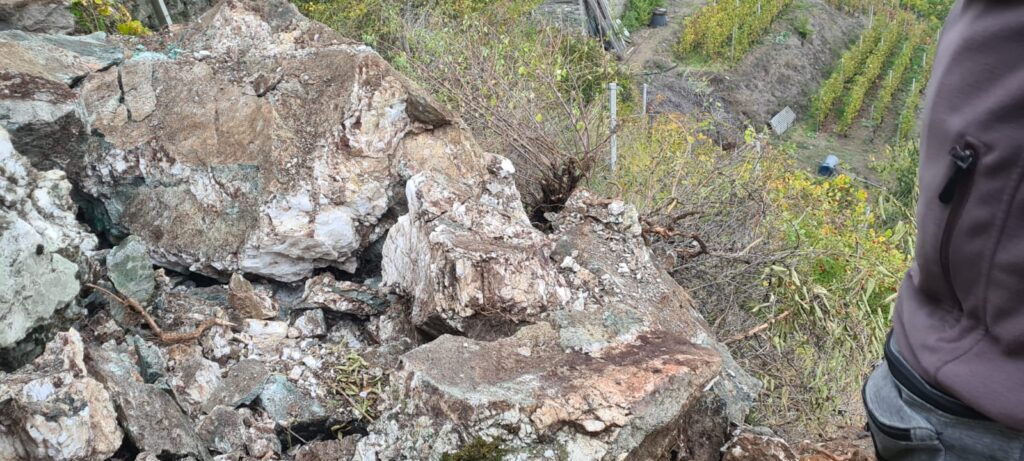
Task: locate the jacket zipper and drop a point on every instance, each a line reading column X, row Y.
column 955, row 194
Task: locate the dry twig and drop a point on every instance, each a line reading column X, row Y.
column 161, row 335
column 759, row 328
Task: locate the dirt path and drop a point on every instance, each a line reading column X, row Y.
column 650, row 43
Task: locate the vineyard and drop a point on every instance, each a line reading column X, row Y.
column 926, row 9
column 890, row 60
column 725, row 30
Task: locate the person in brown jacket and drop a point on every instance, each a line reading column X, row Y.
column 952, row 384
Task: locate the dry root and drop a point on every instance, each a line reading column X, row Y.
column 161, row 335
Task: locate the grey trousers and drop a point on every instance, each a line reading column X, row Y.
column 905, row 428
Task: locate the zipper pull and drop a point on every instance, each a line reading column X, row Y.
column 963, row 158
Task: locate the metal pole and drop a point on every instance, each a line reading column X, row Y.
column 162, row 15
column 645, row 99
column 612, row 87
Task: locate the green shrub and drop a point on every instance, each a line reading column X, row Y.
column 818, row 260
column 106, row 16
column 638, row 13
column 726, row 30
column 803, row 27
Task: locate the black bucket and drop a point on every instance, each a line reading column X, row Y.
column 659, row 18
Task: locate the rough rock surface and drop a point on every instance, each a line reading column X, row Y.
column 43, row 16
column 53, row 409
column 271, row 152
column 44, row 115
column 468, row 257
column 277, row 151
column 151, row 418
column 40, row 241
column 248, row 301
column 130, row 270
column 614, row 363
column 342, row 296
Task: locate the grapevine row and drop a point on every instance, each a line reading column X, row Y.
column 866, row 80
column 727, row 29
column 848, row 66
column 908, row 117
column 896, row 74
column 936, row 9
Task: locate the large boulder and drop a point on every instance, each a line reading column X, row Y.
column 40, row 242
column 54, row 410
column 37, row 104
column 273, row 145
column 44, row 16
column 614, row 361
column 531, row 396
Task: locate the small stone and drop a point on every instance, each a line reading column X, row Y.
column 328, row 450
column 216, row 343
column 248, row 301
column 223, row 430
column 151, row 360
column 311, row 362
column 593, row 425
column 131, row 271
column 192, row 376
column 342, row 296
column 51, row 409
column 266, row 333
column 311, row 324
column 243, row 383
column 285, row 403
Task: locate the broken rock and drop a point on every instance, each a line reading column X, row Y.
column 276, row 154
column 151, row 418
column 129, row 268
column 342, row 296
column 43, row 16
column 543, row 400
column 310, row 324
column 224, row 431
column 39, row 242
column 286, row 404
column 53, row 410
column 242, row 384
column 249, row 302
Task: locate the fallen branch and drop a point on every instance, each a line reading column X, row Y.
column 759, row 328
column 161, row 335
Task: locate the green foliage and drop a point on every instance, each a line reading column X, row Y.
column 357, row 384
column 819, row 260
column 918, row 81
column 384, row 24
column 837, row 291
column 107, row 16
column 727, row 29
column 872, row 69
column 898, row 169
column 803, row 27
column 477, row 450
column 894, row 80
column 849, row 64
column 925, row 9
column 638, row 13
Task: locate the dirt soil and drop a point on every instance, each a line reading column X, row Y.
column 784, row 70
